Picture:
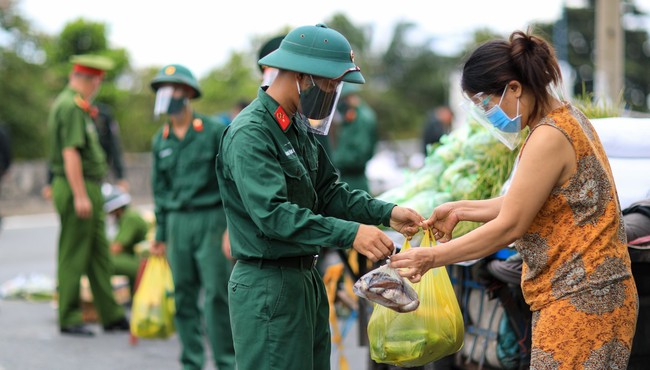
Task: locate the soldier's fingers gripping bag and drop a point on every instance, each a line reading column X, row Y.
column 434, row 330
column 152, row 310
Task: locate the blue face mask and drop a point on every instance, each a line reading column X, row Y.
column 500, row 119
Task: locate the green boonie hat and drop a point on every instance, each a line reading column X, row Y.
column 316, row 50
column 99, row 62
column 176, row 73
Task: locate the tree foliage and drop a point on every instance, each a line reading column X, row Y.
column 404, row 81
column 575, row 35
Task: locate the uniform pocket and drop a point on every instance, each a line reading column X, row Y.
column 299, row 186
column 293, row 169
column 256, row 291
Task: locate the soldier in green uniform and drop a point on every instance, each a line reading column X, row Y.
column 78, row 165
column 283, row 202
column 355, row 139
column 190, row 221
column 131, row 230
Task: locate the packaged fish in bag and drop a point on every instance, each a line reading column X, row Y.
column 386, row 287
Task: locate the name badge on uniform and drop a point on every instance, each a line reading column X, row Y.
column 165, row 153
column 288, row 150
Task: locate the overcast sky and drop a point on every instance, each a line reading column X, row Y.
column 202, row 34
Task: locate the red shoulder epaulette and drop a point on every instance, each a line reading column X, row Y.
column 197, row 124
column 86, row 106
column 165, row 133
column 282, row 118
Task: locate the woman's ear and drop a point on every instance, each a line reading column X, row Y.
column 515, row 87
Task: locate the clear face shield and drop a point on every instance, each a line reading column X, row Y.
column 169, row 101
column 318, row 104
column 269, row 75
column 486, row 110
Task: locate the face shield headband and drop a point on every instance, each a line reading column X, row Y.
column 167, row 103
column 318, row 104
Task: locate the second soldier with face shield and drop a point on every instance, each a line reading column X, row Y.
column 190, row 219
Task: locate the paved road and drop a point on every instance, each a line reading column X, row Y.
column 29, row 337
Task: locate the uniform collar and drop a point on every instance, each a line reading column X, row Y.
column 196, row 125
column 279, row 115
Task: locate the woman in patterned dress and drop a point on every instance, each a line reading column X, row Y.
column 561, row 210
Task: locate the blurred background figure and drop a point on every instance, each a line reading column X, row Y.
column 108, row 130
column 108, row 133
column 190, row 218
column 354, row 138
column 269, row 73
column 78, row 166
column 438, row 123
column 131, row 229
column 227, row 117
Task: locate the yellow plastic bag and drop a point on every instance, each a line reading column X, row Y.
column 152, row 310
column 434, row 330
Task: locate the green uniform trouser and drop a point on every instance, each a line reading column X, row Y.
column 280, row 318
column 197, row 261
column 83, row 249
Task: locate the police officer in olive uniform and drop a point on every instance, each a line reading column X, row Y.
column 190, row 221
column 78, row 165
column 355, row 139
column 283, row 202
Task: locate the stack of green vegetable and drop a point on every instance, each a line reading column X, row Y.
column 468, row 163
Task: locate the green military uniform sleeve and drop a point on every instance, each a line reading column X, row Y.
column 340, row 201
column 159, row 190
column 73, row 129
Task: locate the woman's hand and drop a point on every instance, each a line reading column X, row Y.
column 413, row 263
column 442, row 222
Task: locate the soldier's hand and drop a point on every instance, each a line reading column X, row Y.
column 225, row 245
column 405, row 220
column 82, row 206
column 372, row 243
column 116, row 248
column 157, row 248
column 46, row 192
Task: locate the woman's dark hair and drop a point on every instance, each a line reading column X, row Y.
column 526, row 58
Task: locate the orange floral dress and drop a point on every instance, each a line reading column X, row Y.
column 576, row 275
